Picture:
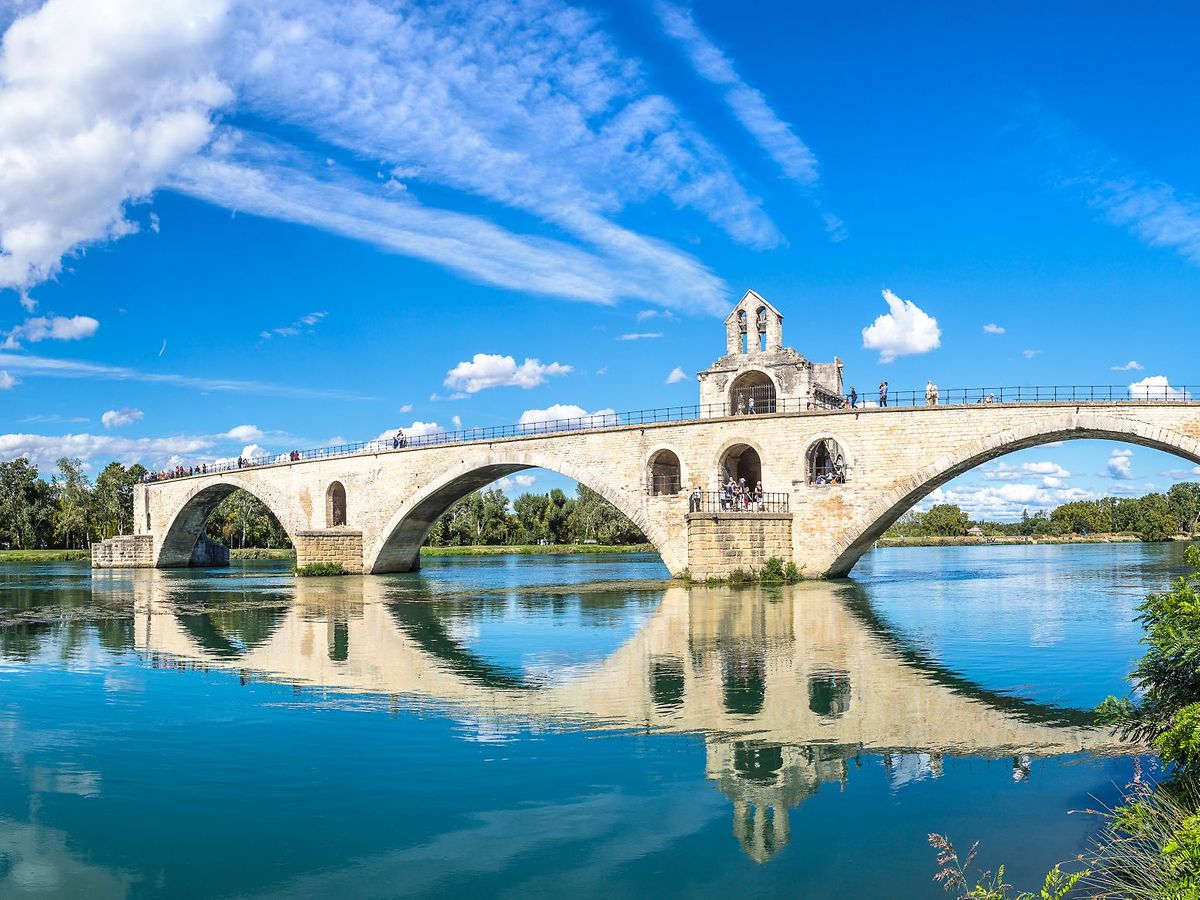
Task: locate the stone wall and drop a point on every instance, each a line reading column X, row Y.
column 208, row 552
column 337, row 546
column 128, row 551
column 719, row 543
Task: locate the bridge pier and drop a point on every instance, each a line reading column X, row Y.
column 333, row 546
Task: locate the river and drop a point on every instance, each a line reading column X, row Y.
column 546, row 726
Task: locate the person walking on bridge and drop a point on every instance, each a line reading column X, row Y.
column 853, row 398
column 883, row 388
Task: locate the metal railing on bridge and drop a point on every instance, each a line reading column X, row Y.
column 733, row 502
column 980, row 396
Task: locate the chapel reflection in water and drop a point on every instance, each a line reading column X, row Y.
column 788, row 687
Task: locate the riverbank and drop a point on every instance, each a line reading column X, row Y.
column 966, row 541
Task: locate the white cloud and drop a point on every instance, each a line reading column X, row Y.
column 906, row 330
column 1120, row 464
column 253, row 451
column 645, row 314
column 510, row 483
column 7, row 381
column 1030, row 354
column 1156, row 387
column 44, row 450
column 308, row 321
column 750, row 107
column 677, row 375
column 640, row 336
column 1132, row 366
column 50, row 328
column 115, row 418
column 406, row 408
column 1006, row 502
column 993, row 328
column 244, row 433
column 98, row 103
column 564, row 416
column 490, row 370
column 456, row 421
column 1004, row 471
column 68, row 368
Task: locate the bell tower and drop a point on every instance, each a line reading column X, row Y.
column 758, row 374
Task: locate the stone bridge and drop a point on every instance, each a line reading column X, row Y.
column 371, row 511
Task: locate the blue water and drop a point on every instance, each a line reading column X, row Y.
column 549, row 726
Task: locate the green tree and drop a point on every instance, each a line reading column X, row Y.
column 945, row 519
column 113, row 499
column 72, row 522
column 1184, row 502
column 18, row 498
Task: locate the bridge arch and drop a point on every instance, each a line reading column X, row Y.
column 1058, row 426
column 398, row 546
column 187, row 524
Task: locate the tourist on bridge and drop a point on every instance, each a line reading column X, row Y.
column 750, row 407
column 931, row 394
column 853, row 398
column 757, row 497
column 741, row 407
column 696, row 501
column 399, row 442
column 883, row 388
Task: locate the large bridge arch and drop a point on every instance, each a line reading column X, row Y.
column 397, row 549
column 185, row 526
column 909, row 490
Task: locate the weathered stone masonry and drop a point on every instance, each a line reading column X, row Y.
column 720, row 543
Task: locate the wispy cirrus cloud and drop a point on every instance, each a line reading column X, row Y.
column 531, row 107
column 750, row 107
column 640, row 336
column 48, row 367
column 305, row 322
column 1145, row 205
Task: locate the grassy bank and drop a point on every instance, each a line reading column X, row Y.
column 536, row 549
column 1007, row 539
column 261, row 553
column 14, row 556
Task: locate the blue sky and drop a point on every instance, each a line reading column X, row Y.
column 288, row 223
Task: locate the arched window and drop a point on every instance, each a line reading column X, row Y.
column 665, row 476
column 740, row 461
column 335, row 505
column 751, row 393
column 826, row 463
column 760, row 319
column 743, row 340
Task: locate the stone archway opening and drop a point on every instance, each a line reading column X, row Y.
column 741, row 461
column 825, row 463
column 335, row 505
column 665, row 475
column 752, row 392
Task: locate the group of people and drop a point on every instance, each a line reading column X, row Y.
column 745, row 406
column 931, row 394
column 837, row 475
column 177, row 472
column 734, row 496
column 399, row 441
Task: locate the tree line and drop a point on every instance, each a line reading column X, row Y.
column 1153, row 517
column 69, row 511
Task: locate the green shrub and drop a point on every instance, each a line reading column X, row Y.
column 771, row 572
column 320, row 569
column 790, row 573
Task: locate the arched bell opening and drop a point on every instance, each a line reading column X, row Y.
column 665, row 474
column 335, row 505
column 751, row 393
column 825, row 463
column 740, row 462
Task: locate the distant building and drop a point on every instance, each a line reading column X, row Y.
column 757, row 367
column 974, row 531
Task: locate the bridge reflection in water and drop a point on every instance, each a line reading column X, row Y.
column 787, row 686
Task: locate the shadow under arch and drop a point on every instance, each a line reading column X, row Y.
column 1067, row 426
column 233, row 633
column 398, row 548
column 188, row 523
column 856, row 601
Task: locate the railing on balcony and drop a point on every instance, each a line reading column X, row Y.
column 733, row 502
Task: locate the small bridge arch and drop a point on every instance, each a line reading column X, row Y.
column 398, row 547
column 1065, row 426
column 187, row 523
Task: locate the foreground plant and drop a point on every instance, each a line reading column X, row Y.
column 954, row 875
